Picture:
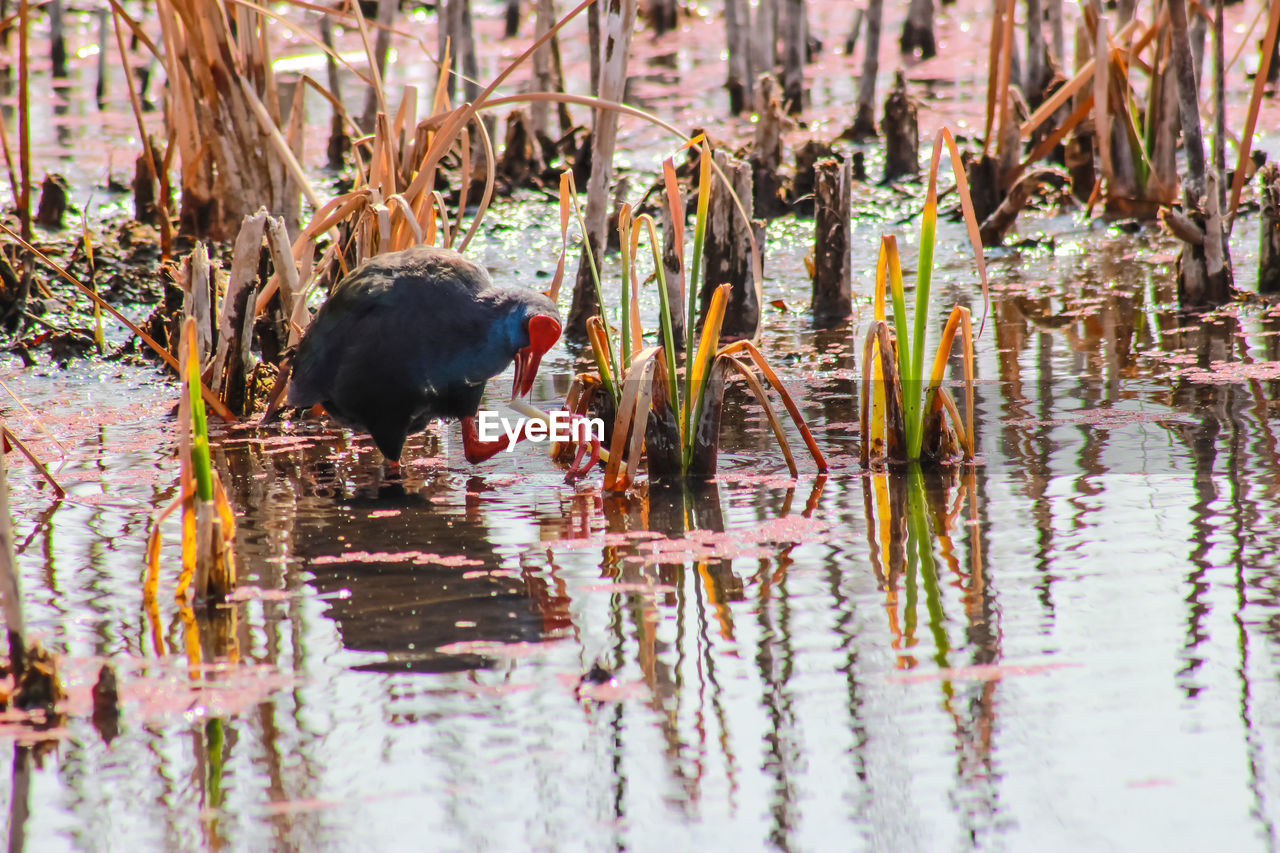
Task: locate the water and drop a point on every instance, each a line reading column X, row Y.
column 1070, row 645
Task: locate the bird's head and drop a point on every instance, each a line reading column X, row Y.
column 536, row 329
column 544, row 331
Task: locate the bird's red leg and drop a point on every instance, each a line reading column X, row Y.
column 592, row 445
column 476, row 450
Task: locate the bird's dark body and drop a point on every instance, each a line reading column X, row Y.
column 408, row 337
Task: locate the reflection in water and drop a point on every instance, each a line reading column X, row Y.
column 1077, row 638
column 406, row 573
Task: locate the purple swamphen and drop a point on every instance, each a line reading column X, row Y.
column 414, row 335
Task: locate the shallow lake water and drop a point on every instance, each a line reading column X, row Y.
column 1073, row 644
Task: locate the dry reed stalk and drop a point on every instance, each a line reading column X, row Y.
column 1265, row 70
column 620, row 22
column 231, row 162
column 158, row 176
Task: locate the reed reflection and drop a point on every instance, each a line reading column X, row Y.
column 911, row 518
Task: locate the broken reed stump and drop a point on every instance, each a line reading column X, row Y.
column 1079, row 160
column 981, row 172
column 147, row 187
column 222, row 95
column 385, row 17
column 766, row 152
column 764, row 37
column 58, row 43
column 864, row 121
column 339, row 142
column 901, row 129
column 662, row 16
column 855, row 29
column 53, row 201
column 832, row 274
column 1269, row 230
column 1204, row 265
column 456, row 31
column 807, row 155
column 728, row 249
column 521, row 162
column 997, row 224
column 917, row 30
column 737, row 18
column 512, row 28
column 795, row 44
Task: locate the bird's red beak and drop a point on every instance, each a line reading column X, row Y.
column 544, row 331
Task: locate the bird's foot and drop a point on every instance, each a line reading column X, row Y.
column 474, row 448
column 578, row 468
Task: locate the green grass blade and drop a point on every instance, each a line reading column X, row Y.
column 664, row 304
column 700, row 369
column 695, row 262
column 910, row 391
column 200, row 464
column 595, row 280
column 913, row 380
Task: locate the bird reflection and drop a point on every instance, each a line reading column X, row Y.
column 406, row 566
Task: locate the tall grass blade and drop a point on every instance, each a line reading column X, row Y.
column 12, row 440
column 966, row 208
column 629, row 258
column 701, row 365
column 959, row 320
column 553, row 292
column 600, row 350
column 792, row 409
column 664, row 303
column 691, row 295
column 909, row 402
column 763, row 399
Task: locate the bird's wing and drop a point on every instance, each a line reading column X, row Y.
column 337, row 328
column 417, row 310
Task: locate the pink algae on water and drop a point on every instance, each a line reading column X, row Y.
column 757, row 542
column 1224, row 372
column 495, row 649
column 257, row 593
column 421, row 558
